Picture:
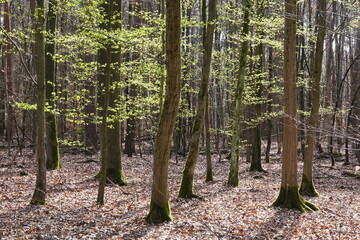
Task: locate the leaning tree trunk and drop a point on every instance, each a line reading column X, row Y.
column 307, row 184
column 233, row 179
column 187, row 182
column 289, row 196
column 159, row 204
column 52, row 143
column 39, row 196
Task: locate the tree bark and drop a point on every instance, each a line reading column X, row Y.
column 52, row 143
column 233, row 179
column 186, row 188
column 289, row 196
column 39, row 196
column 209, row 174
column 104, row 61
column 307, row 185
column 159, row 204
column 114, row 170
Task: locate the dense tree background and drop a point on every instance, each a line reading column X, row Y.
column 92, row 78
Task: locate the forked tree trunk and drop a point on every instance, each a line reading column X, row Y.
column 159, row 204
column 39, row 196
column 52, row 143
column 289, row 196
column 187, row 182
column 233, row 179
column 307, row 184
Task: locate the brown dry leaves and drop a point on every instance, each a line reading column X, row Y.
column 244, row 212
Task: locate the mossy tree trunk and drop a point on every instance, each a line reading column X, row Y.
column 307, row 184
column 187, row 182
column 159, row 204
column 233, row 179
column 114, row 170
column 52, row 143
column 289, row 196
column 39, row 196
column 104, row 61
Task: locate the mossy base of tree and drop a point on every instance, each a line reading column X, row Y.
column 256, row 169
column 53, row 166
column 159, row 214
column 209, row 177
column 290, row 198
column 307, row 188
column 38, row 202
column 233, row 179
column 186, row 188
column 116, row 176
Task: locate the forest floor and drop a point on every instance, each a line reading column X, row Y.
column 244, row 212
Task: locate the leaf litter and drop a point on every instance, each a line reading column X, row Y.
column 222, row 212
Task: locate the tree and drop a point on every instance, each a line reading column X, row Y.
column 39, row 196
column 7, row 63
column 289, row 196
column 114, row 170
column 52, row 143
column 159, row 204
column 307, row 185
column 104, row 61
column 255, row 164
column 187, row 182
column 233, row 179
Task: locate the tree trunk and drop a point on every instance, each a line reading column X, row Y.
column 52, row 143
column 209, row 174
column 186, row 188
column 39, row 196
column 104, row 61
column 307, row 185
column 289, row 196
column 159, row 204
column 256, row 143
column 233, row 179
column 269, row 109
column 114, row 170
column 91, row 138
column 7, row 73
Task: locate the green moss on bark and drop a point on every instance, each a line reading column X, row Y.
column 159, row 214
column 53, row 154
column 38, row 202
column 307, row 187
column 186, row 188
column 256, row 168
column 116, row 176
column 290, row 198
column 209, row 176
